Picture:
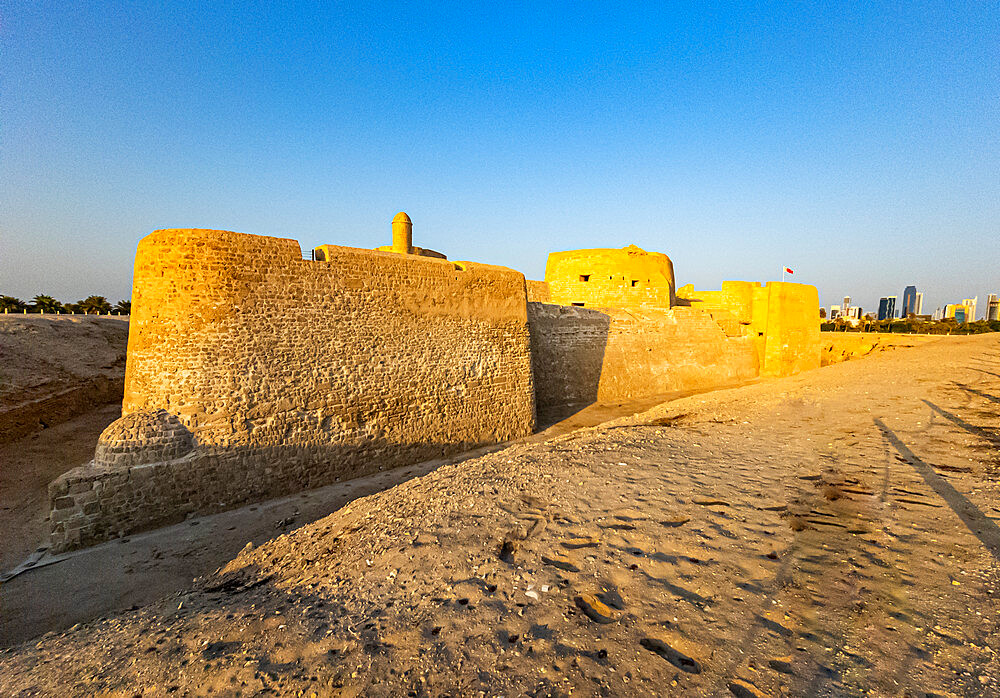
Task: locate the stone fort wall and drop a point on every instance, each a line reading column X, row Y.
column 253, row 373
column 610, row 278
column 584, row 355
column 780, row 317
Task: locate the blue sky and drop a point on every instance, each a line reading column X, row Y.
column 859, row 145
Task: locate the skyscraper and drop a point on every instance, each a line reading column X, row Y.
column 962, row 312
column 920, row 304
column 992, row 307
column 909, row 301
column 970, row 308
column 887, row 308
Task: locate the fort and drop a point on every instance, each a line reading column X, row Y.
column 253, row 372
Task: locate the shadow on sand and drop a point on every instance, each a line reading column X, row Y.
column 980, row 525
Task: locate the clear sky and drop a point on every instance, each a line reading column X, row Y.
column 859, row 145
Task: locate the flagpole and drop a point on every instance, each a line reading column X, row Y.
column 782, row 274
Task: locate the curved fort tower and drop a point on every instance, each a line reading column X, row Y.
column 253, row 373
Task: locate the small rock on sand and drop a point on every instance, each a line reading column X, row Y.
column 782, row 664
column 672, row 655
column 581, row 542
column 595, row 609
column 508, row 549
column 745, row 689
column 561, row 561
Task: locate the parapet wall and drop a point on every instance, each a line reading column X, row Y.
column 291, row 374
column 580, row 355
column 782, row 318
column 610, row 278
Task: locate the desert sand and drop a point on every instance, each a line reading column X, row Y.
column 831, row 533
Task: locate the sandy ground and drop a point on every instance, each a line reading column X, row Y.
column 833, row 533
column 28, row 465
column 42, row 350
column 59, row 591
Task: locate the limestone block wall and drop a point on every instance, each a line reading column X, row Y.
column 610, row 278
column 538, row 291
column 291, row 374
column 582, row 355
column 782, row 318
column 791, row 328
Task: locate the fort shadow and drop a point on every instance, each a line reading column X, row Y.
column 81, row 585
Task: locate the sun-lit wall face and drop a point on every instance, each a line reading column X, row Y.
column 611, row 278
column 254, row 373
column 782, row 318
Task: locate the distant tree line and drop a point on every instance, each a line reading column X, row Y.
column 91, row 305
column 913, row 325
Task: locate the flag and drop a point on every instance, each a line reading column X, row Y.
column 788, row 271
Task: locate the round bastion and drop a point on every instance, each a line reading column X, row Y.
column 146, row 436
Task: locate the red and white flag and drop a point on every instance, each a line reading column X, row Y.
column 788, row 271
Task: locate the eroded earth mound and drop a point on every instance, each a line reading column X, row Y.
column 53, row 367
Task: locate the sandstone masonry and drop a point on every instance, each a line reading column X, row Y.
column 289, row 374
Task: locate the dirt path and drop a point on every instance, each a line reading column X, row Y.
column 834, row 533
column 28, row 465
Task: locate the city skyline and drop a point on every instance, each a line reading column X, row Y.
column 888, row 305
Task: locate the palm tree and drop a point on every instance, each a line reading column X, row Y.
column 123, row 307
column 94, row 305
column 11, row 304
column 46, row 304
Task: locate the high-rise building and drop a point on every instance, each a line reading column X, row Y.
column 909, row 301
column 938, row 315
column 970, row 308
column 887, row 308
column 962, row 312
column 992, row 307
column 920, row 304
column 834, row 312
column 846, row 305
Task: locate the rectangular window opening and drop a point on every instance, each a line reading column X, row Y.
column 578, row 305
column 584, row 277
column 635, row 282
